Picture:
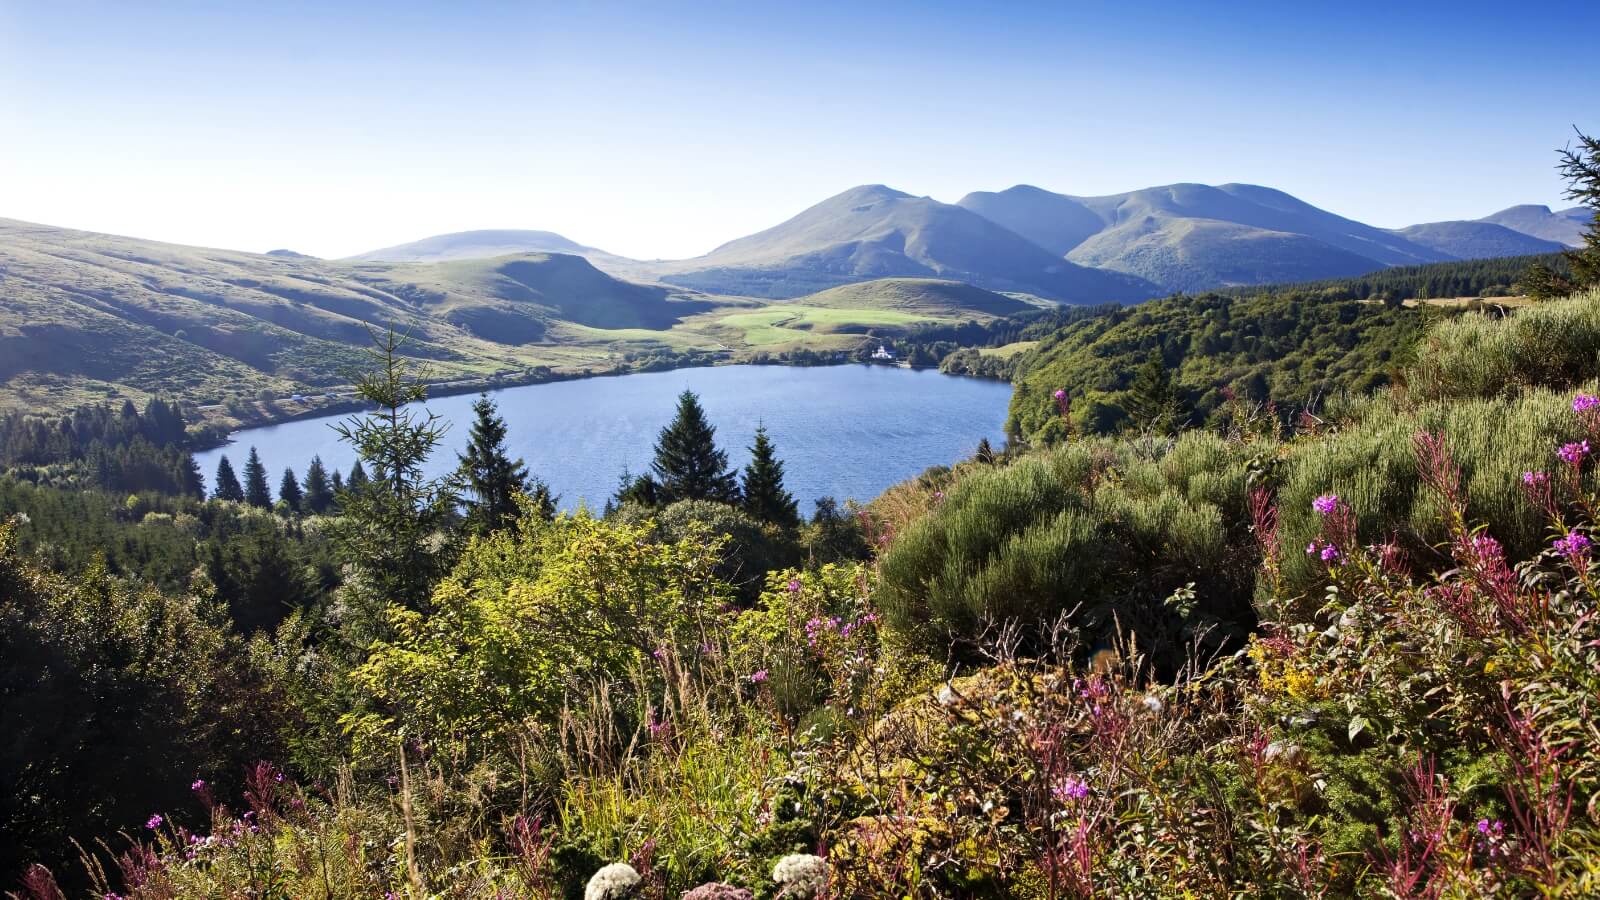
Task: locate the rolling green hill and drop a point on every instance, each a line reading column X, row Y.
column 931, row 296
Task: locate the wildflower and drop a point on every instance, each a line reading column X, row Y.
column 794, row 585
column 154, row 822
column 1330, row 553
column 1573, row 453
column 198, row 786
column 1535, row 479
column 1326, row 504
column 758, row 676
column 1572, row 546
column 1070, row 788
column 660, row 653
column 717, row 890
column 1060, row 394
column 1152, row 703
column 1584, row 402
column 614, row 882
column 801, row 875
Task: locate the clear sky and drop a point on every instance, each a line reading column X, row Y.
column 658, row 130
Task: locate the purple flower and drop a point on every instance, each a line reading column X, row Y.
column 1584, row 402
column 1061, row 395
column 1534, row 479
column 1572, row 546
column 1070, row 788
column 794, row 585
column 660, row 653
column 154, row 822
column 198, row 786
column 758, row 676
column 1326, row 504
column 1574, row 452
column 1330, row 553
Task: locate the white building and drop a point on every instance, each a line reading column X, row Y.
column 883, row 352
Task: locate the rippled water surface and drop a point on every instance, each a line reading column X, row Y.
column 842, row 431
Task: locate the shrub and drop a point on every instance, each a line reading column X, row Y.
column 1553, row 345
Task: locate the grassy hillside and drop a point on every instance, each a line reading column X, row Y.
column 874, row 231
column 87, row 317
column 1476, row 240
column 1563, row 226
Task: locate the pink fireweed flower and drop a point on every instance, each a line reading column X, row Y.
column 1329, row 553
column 1060, row 394
column 1535, row 479
column 154, row 822
column 1326, row 504
column 1324, row 551
column 198, row 786
column 1572, row 546
column 758, row 676
column 794, row 585
column 1070, row 788
column 1584, row 402
column 1573, row 453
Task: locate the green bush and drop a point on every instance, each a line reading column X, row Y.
column 1554, row 345
column 1107, row 531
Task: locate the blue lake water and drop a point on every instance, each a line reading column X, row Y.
column 842, row 431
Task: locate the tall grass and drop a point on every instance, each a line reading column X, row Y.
column 1554, row 345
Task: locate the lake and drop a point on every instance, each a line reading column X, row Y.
column 842, row 431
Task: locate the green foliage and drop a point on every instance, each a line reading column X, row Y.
column 530, row 617
column 319, row 490
column 489, row 476
column 763, row 493
column 114, row 699
column 1581, row 168
column 256, row 492
column 1292, row 349
column 289, row 493
column 748, row 548
column 393, row 532
column 1554, row 345
column 687, row 464
column 1100, row 533
column 227, row 483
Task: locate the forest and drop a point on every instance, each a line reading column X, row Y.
column 1268, row 595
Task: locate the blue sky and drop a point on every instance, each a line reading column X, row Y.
column 662, row 130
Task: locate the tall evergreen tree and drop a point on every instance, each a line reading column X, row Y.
column 394, row 533
column 289, row 493
column 337, row 482
column 358, row 477
column 764, row 494
column 1581, row 169
column 228, row 487
column 1152, row 401
column 491, row 477
column 256, row 492
column 319, row 492
column 688, row 465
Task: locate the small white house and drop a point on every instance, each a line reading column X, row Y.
column 883, row 352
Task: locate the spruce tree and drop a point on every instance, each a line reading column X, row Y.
column 394, row 532
column 358, row 477
column 764, row 494
column 319, row 492
column 289, row 492
column 1152, row 400
column 491, row 477
column 688, row 465
column 228, row 487
column 1581, row 169
column 256, row 492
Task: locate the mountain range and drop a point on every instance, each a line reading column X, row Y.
column 1120, row 247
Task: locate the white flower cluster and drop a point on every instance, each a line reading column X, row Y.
column 801, row 874
column 617, row 881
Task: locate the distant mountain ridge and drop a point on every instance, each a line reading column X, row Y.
column 1118, row 247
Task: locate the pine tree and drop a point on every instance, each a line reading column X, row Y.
column 489, row 474
column 256, row 492
column 319, row 492
column 337, row 483
column 764, row 494
column 227, row 483
column 688, row 465
column 394, row 532
column 358, row 477
column 1581, row 169
column 1152, row 401
column 289, row 493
